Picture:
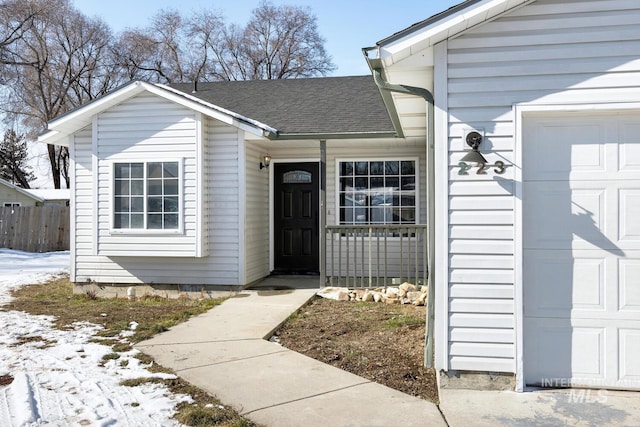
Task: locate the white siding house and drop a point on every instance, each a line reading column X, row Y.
column 537, row 258
column 169, row 191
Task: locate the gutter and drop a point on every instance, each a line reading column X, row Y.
column 376, row 66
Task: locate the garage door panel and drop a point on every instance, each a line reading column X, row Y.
column 560, row 217
column 560, row 284
column 629, row 148
column 630, row 285
column 564, row 351
column 556, row 156
column 629, row 350
column 629, row 211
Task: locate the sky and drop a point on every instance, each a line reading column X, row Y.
column 64, row 382
column 346, row 25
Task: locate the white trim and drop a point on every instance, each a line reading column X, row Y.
column 518, row 227
column 441, row 208
column 72, row 211
column 520, row 112
column 242, row 212
column 95, row 176
column 272, row 242
column 199, row 184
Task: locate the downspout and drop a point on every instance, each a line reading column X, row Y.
column 375, row 64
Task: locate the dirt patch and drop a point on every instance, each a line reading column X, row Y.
column 5, row 380
column 383, row 343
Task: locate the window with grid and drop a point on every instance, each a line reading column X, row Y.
column 146, row 196
column 377, row 192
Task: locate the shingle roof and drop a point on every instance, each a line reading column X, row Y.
column 311, row 106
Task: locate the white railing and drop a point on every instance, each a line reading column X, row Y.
column 375, row 255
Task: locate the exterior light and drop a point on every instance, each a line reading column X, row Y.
column 473, row 140
column 266, row 161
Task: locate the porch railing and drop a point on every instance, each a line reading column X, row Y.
column 375, row 255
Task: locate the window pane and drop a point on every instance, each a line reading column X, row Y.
column 346, row 183
column 171, row 187
column 171, row 221
column 409, row 183
column 137, row 204
column 391, row 168
column 408, row 168
column 171, row 204
column 154, row 221
column 122, row 188
column 362, row 168
column 362, row 183
column 377, row 182
column 137, row 187
column 392, row 182
column 122, row 170
column 122, row 204
column 137, row 170
column 121, row 221
column 170, row 169
column 137, row 221
column 154, row 204
column 154, row 187
column 377, row 168
column 154, row 170
column 346, row 168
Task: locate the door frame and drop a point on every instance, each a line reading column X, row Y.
column 521, row 111
column 272, row 241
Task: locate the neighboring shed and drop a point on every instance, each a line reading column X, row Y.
column 12, row 196
column 537, row 250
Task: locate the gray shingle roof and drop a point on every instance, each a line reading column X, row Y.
column 312, row 106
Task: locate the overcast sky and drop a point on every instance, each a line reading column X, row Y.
column 346, row 25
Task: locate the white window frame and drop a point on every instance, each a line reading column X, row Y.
column 377, row 159
column 11, row 204
column 146, row 231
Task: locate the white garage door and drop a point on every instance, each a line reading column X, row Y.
column 581, row 209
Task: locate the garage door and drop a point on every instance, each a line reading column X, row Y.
column 581, row 249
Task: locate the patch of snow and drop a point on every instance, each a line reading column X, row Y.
column 59, row 377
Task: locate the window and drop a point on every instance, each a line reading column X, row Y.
column 146, row 196
column 11, row 204
column 377, row 192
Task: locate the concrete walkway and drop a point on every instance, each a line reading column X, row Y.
column 225, row 353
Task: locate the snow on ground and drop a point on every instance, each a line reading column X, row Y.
column 57, row 377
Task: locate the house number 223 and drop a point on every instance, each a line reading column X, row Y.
column 499, row 168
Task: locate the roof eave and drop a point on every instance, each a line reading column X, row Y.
column 59, row 129
column 22, row 191
column 442, row 26
column 341, row 135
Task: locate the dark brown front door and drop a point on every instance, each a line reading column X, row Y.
column 296, row 218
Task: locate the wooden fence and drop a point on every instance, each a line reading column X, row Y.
column 35, row 228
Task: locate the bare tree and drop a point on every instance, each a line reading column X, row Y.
column 59, row 62
column 278, row 42
column 283, row 42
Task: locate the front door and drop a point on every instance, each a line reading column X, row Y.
column 296, row 214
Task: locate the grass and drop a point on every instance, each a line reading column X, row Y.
column 152, row 314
